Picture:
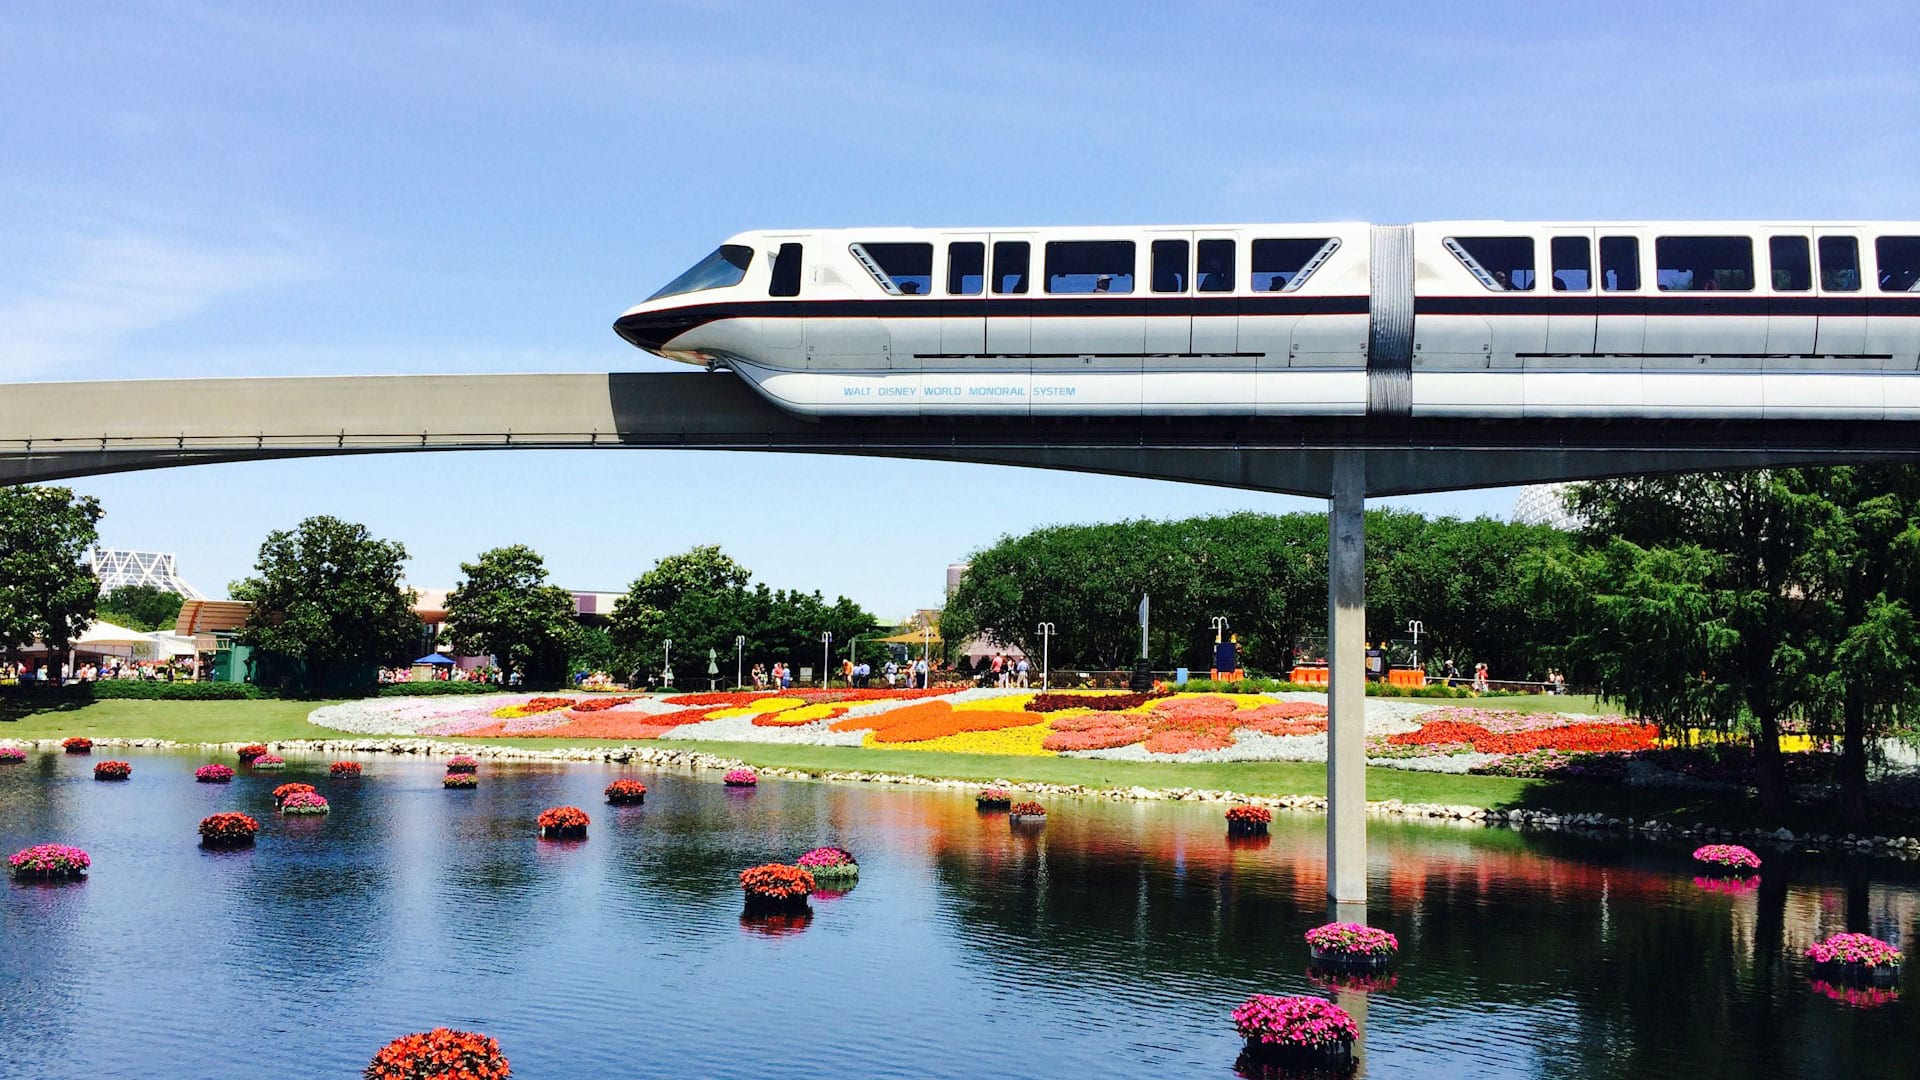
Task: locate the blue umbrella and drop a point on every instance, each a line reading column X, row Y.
column 436, row 658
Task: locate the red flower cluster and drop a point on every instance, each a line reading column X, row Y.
column 1251, row 815
column 563, row 817
column 625, row 792
column 77, row 744
column 1055, row 702
column 1862, row 949
column 544, row 704
column 461, row 763
column 460, row 780
column 1595, row 738
column 280, row 793
column 1731, row 857
column 1026, row 809
column 776, row 882
column 440, row 1054
column 228, row 828
column 1304, row 1023
column 250, row 751
column 344, row 769
column 112, row 770
column 601, row 704
column 741, row 778
column 214, row 773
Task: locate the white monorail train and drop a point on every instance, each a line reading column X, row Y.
column 1724, row 320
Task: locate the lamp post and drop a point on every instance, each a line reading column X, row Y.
column 1046, row 654
column 666, row 665
column 1219, row 628
column 826, row 655
column 739, row 659
column 853, row 656
column 1414, row 626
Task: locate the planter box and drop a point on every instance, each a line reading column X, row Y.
column 1246, row 828
column 1264, row 1056
column 1026, row 821
column 564, row 832
column 1859, row 974
column 768, row 905
column 232, row 842
column 627, row 800
column 1345, row 961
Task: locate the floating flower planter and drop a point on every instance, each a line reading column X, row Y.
column 460, row 781
column 1300, row 1031
column 215, row 773
column 563, row 823
column 250, row 753
column 1351, row 947
column 776, row 887
column 462, row 764
column 269, row 763
column 305, row 803
column 344, row 770
column 11, row 756
column 741, row 778
column 1026, row 813
column 1248, row 820
column 229, row 830
column 993, row 798
column 624, row 792
column 1727, row 859
column 77, row 744
column 440, row 1054
column 1858, row 959
column 830, row 867
column 286, row 791
column 112, row 770
column 49, row 862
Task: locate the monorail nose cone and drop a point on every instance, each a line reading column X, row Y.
column 651, row 330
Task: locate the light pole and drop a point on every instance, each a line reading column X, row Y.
column 826, row 650
column 739, row 658
column 666, row 665
column 926, row 648
column 1414, row 626
column 1219, row 628
column 853, row 656
column 1046, row 654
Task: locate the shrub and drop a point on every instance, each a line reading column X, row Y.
column 776, row 883
column 1294, row 1023
column 741, row 778
column 112, row 770
column 251, row 753
column 563, row 822
column 148, row 690
column 460, row 780
column 435, row 688
column 11, row 756
column 77, row 744
column 305, row 802
column 269, row 763
column 214, row 773
column 1730, row 857
column 440, row 1054
column 228, row 830
column 49, row 861
column 286, row 791
column 1861, row 949
column 1352, row 940
column 461, row 763
column 344, row 769
column 1027, row 809
column 625, row 792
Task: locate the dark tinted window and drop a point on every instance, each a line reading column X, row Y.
column 966, row 268
column 1899, row 263
column 1010, row 266
column 724, row 267
column 1619, row 263
column 1169, row 266
column 1277, row 262
column 1572, row 264
column 1215, row 273
column 1500, row 262
column 1792, row 266
column 909, row 267
column 1839, row 264
column 1090, row 266
column 1704, row 263
column 786, row 272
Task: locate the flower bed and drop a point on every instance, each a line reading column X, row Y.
column 1727, row 858
column 1489, row 731
column 1248, row 820
column 741, row 778
column 828, row 864
column 461, row 763
column 228, row 830
column 1308, row 1030
column 625, row 792
column 1857, row 958
column 440, row 1054
column 602, row 704
column 304, row 802
column 49, row 862
column 77, row 744
column 344, row 770
column 11, row 756
column 112, row 770
column 1351, row 945
column 285, row 791
column 214, row 773
column 269, row 763
column 563, row 823
column 460, row 781
column 1027, row 813
column 250, row 752
column 1059, row 701
column 776, row 886
column 993, row 798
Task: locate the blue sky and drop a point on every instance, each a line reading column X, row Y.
column 200, row 189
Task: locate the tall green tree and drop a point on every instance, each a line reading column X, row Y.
column 503, row 607
column 327, row 595
column 141, row 607
column 697, row 599
column 46, row 589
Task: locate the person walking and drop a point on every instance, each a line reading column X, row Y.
column 1452, row 673
column 892, row 672
column 1021, row 668
column 920, row 673
column 1480, row 677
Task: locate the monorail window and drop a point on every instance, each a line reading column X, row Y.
column 1010, row 266
column 901, row 269
column 1215, row 273
column 1090, row 266
column 1280, row 265
column 1839, row 264
column 1620, row 263
column 1500, row 262
column 726, row 266
column 1792, row 265
column 786, row 272
column 1704, row 263
column 966, row 268
column 1899, row 263
column 1572, row 264
column 1169, row 266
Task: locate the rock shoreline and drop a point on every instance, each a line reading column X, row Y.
column 668, row 757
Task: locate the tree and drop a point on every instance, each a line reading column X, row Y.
column 327, row 596
column 141, row 607
column 504, row 608
column 697, row 599
column 46, row 589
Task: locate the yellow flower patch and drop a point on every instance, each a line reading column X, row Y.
column 805, row 714
column 1011, row 703
column 1022, row 741
column 755, row 708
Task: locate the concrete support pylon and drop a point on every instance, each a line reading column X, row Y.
column 1347, row 688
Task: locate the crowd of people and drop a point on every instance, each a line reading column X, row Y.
column 106, row 668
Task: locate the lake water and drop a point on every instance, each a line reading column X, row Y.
column 1113, row 943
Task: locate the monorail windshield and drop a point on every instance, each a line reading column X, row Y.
column 726, row 266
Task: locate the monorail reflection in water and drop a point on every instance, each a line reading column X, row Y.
column 1114, row 941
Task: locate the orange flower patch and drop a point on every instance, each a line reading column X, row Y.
column 954, row 722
